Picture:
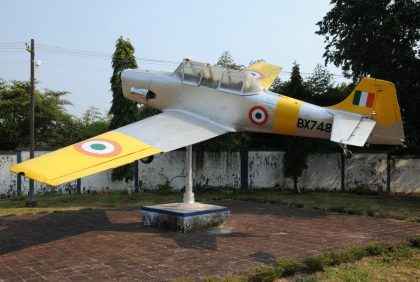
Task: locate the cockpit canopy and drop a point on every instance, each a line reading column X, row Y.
column 232, row 81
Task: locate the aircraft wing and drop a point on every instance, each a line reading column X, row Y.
column 266, row 73
column 161, row 133
column 351, row 129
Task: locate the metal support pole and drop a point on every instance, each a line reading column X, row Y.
column 31, row 202
column 189, row 195
column 244, row 169
column 79, row 186
column 343, row 171
column 19, row 177
column 136, row 177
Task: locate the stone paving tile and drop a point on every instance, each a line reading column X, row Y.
column 112, row 245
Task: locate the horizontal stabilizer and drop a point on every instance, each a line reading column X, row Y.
column 351, row 129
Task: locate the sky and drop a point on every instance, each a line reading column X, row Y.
column 280, row 32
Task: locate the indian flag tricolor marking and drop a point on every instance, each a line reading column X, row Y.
column 255, row 74
column 98, row 147
column 363, row 99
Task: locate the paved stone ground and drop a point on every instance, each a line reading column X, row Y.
column 105, row 245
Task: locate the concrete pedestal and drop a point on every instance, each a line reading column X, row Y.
column 184, row 217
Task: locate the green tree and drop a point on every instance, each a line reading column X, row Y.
column 226, row 60
column 146, row 111
column 123, row 111
column 278, row 86
column 92, row 123
column 296, row 148
column 54, row 126
column 381, row 39
column 322, row 90
column 320, row 81
column 333, row 95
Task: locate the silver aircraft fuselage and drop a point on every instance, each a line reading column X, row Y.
column 236, row 101
column 282, row 115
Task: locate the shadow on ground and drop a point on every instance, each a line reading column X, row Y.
column 20, row 232
column 112, row 244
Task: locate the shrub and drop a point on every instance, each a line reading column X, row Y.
column 353, row 254
column 319, row 263
column 287, row 267
column 337, row 209
column 228, row 192
column 110, row 199
column 399, row 252
column 264, row 273
column 165, row 188
column 376, row 249
column 414, row 241
column 315, row 263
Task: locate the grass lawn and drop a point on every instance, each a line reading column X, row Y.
column 379, row 205
column 375, row 262
column 400, row 264
column 389, row 206
column 372, row 269
column 51, row 203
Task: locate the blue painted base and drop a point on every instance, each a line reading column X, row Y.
column 184, row 217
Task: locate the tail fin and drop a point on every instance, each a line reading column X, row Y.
column 376, row 99
column 266, row 73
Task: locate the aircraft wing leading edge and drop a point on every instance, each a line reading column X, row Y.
column 161, row 133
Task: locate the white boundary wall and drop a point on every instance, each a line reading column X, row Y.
column 210, row 170
column 8, row 181
column 265, row 170
column 405, row 176
column 366, row 170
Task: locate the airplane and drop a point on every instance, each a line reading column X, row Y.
column 199, row 101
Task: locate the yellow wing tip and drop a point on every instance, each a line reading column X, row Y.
column 32, row 171
column 20, row 169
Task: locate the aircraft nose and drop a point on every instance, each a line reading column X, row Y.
column 136, row 78
column 135, row 84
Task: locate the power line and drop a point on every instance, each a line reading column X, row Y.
column 76, row 67
column 7, row 47
column 45, row 46
column 310, row 73
column 11, row 51
column 95, row 54
column 16, row 42
column 107, row 57
column 15, row 47
column 13, row 62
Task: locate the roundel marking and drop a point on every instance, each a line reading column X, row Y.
column 255, row 74
column 98, row 147
column 258, row 115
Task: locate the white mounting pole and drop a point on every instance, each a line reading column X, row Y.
column 189, row 195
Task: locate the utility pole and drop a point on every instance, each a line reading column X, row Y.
column 31, row 202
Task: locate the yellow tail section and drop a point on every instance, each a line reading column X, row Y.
column 374, row 98
column 266, row 73
column 377, row 99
